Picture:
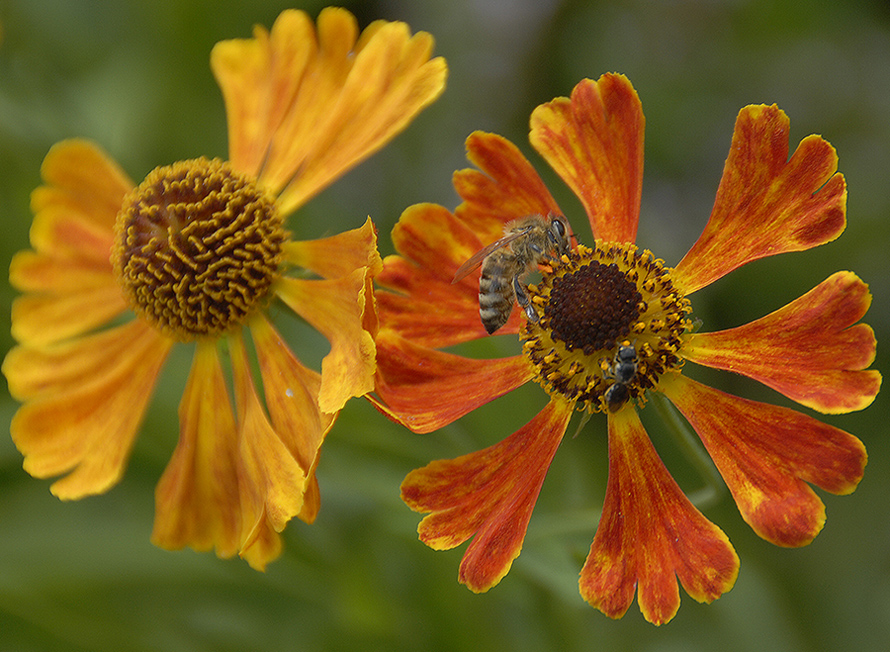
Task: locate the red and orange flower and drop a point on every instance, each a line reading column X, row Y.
column 596, row 301
column 120, row 273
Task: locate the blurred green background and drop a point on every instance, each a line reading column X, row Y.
column 134, row 76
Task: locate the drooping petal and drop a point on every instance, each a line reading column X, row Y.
column 767, row 454
column 809, row 350
column 306, row 108
column 338, row 255
column 490, row 493
column 425, row 306
column 291, row 392
column 197, row 501
column 272, row 480
column 594, row 141
column 505, row 187
column 85, row 400
column 424, row 389
column 336, row 308
column 767, row 204
column 650, row 534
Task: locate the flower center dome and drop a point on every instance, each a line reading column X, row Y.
column 197, row 247
column 610, row 325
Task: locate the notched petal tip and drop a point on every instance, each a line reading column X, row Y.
column 767, row 203
column 306, row 103
column 489, row 494
column 767, row 454
column 594, row 141
column 811, row 350
column 650, row 535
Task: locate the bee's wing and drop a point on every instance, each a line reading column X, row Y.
column 476, row 259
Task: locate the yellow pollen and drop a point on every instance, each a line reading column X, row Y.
column 197, row 248
column 607, row 316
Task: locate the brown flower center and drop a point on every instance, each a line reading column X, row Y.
column 609, row 325
column 197, row 247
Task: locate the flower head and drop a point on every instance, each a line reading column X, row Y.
column 197, row 252
column 608, row 326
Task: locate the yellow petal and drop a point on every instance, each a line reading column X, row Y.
column 83, row 179
column 291, row 392
column 197, row 499
column 305, row 108
column 272, row 479
column 38, row 320
column 338, row 255
column 336, row 309
column 89, row 398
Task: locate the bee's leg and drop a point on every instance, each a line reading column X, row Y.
column 523, row 300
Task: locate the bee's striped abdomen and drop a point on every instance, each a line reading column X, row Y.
column 495, row 294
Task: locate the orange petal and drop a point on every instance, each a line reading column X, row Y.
column 767, row 454
column 41, row 320
column 650, row 534
column 506, row 187
column 85, row 401
column 338, row 255
column 392, row 79
column 424, row 389
column 69, row 274
column 259, row 79
column 767, row 204
column 82, row 180
column 272, row 480
column 490, row 493
column 307, row 108
column 197, row 501
column 291, row 391
column 336, row 309
column 425, row 306
column 262, row 545
column 594, row 141
column 809, row 350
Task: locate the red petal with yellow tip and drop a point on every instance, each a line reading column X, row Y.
column 490, row 493
column 767, row 204
column 84, row 403
column 594, row 141
column 425, row 306
column 424, row 389
column 338, row 255
column 650, row 534
column 197, row 501
column 336, row 309
column 767, row 454
column 810, row 350
column 83, row 180
column 506, row 187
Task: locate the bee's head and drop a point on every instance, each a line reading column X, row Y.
column 558, row 234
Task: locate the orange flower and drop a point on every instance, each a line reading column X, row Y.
column 197, row 251
column 607, row 326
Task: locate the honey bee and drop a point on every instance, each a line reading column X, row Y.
column 623, row 371
column 527, row 242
